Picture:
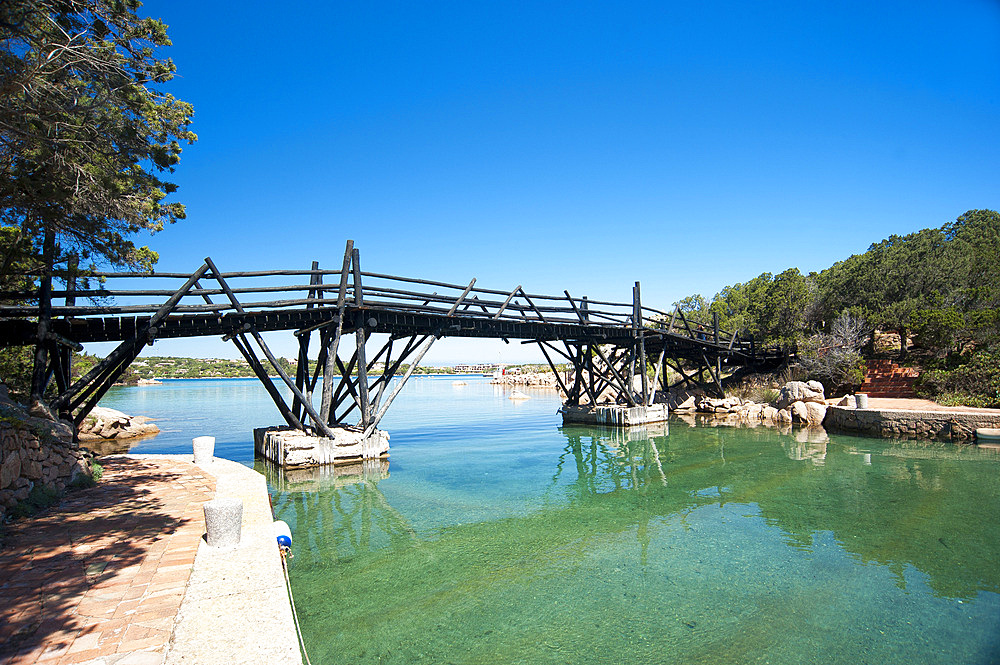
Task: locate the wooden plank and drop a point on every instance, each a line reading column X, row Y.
column 507, row 302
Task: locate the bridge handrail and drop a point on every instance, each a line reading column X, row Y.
column 378, row 289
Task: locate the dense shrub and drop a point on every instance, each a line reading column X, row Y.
column 974, row 383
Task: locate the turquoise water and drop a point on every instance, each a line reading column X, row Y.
column 497, row 536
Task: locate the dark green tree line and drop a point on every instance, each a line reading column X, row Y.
column 940, row 287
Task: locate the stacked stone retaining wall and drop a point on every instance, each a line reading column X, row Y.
column 900, row 424
column 32, row 456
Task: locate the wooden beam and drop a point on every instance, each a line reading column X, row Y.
column 122, row 350
column 317, row 422
column 361, row 337
column 332, row 347
column 506, row 302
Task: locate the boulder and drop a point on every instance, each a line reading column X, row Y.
column 816, row 413
column 800, row 414
column 784, row 416
column 105, row 424
column 849, row 401
column 769, row 413
column 10, row 470
column 799, row 391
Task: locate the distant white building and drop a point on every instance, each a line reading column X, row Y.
column 483, row 368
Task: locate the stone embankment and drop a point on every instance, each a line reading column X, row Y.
column 528, row 379
column 907, row 424
column 804, row 403
column 37, row 451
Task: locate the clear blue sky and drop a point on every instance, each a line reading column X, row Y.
column 578, row 146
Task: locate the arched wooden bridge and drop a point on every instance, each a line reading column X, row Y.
column 606, row 342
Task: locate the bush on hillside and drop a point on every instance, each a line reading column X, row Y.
column 975, row 382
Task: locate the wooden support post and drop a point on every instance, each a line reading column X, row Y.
column 322, row 426
column 302, row 364
column 241, row 343
column 361, row 337
column 39, row 375
column 656, row 378
column 625, row 388
column 715, row 326
column 569, row 396
column 641, row 337
column 399, row 386
column 331, row 348
column 122, row 350
column 715, row 379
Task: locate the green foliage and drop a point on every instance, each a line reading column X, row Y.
column 937, row 328
column 84, row 482
column 40, row 498
column 15, row 371
column 974, row 382
column 86, row 133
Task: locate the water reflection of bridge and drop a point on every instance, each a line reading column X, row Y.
column 909, row 504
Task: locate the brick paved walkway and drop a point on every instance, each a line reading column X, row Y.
column 103, row 574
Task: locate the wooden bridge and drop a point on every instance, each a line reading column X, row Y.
column 607, row 343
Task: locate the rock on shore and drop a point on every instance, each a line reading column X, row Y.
column 104, row 423
column 529, row 379
column 798, row 403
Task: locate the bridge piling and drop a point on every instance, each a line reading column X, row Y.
column 606, row 343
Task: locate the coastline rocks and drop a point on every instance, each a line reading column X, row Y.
column 531, row 380
column 799, row 391
column 799, row 403
column 104, row 423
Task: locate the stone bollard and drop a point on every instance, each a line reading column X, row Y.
column 223, row 518
column 204, row 449
column 861, row 399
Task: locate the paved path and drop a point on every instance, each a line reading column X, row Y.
column 914, row 404
column 103, row 575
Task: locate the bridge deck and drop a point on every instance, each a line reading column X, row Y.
column 360, row 304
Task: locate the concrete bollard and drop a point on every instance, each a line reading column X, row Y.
column 861, row 400
column 204, row 449
column 223, row 519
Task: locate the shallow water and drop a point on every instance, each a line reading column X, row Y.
column 496, row 536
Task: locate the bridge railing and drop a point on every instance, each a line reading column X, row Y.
column 264, row 290
column 283, row 289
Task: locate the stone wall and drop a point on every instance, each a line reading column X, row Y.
column 899, row 424
column 34, row 452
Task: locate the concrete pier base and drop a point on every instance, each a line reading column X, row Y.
column 613, row 415
column 288, row 447
column 319, row 478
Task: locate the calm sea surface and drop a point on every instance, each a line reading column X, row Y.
column 495, row 535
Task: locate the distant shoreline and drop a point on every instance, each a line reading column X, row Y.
column 275, row 376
